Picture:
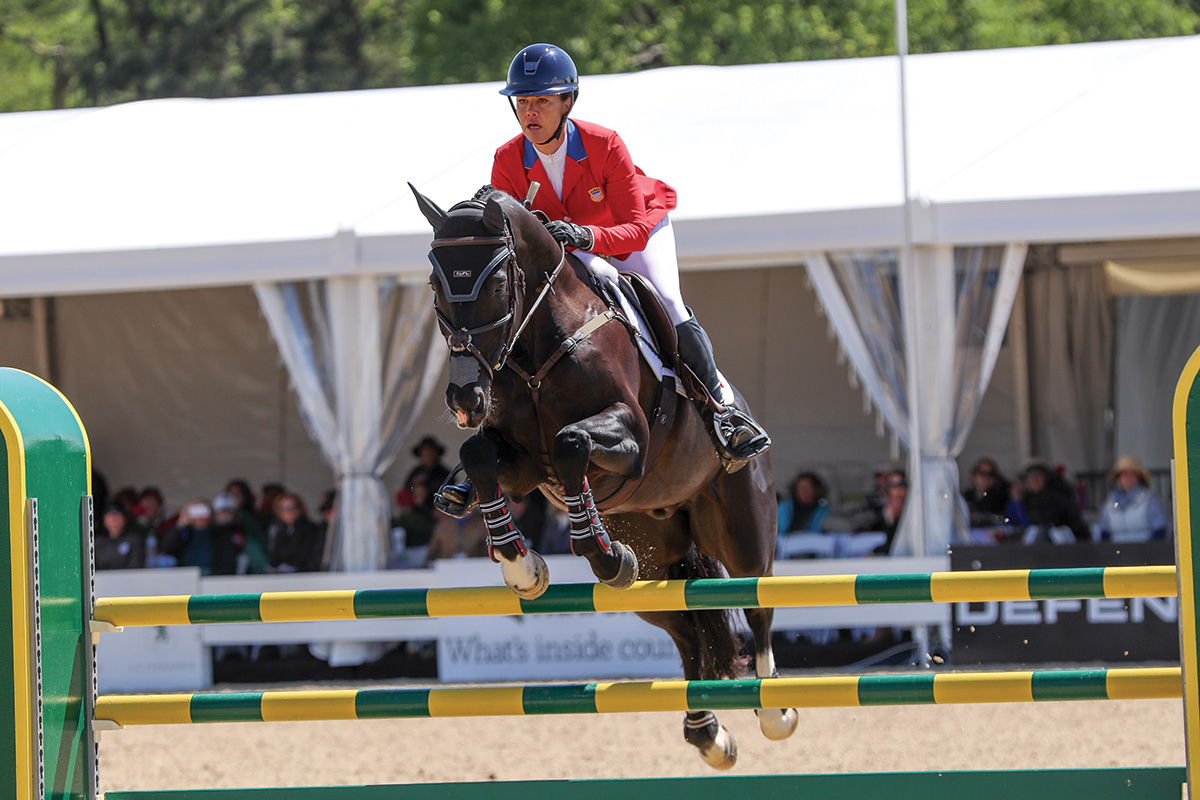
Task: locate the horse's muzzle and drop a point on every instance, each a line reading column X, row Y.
column 469, row 404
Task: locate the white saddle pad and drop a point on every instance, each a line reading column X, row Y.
column 608, row 275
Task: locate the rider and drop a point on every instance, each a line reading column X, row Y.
column 603, row 204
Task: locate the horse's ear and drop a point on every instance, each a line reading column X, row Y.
column 493, row 216
column 435, row 215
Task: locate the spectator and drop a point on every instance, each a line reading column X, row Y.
column 99, row 489
column 988, row 496
column 254, row 552
column 120, row 545
column 806, row 506
column 151, row 512
column 458, row 538
column 887, row 518
column 195, row 543
column 296, row 542
column 229, row 537
column 430, row 472
column 127, row 498
column 328, row 509
column 1132, row 513
column 266, row 508
column 556, row 531
column 1045, row 499
column 415, row 515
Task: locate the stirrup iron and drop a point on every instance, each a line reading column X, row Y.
column 455, row 499
column 738, row 438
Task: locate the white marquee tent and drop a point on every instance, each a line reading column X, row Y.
column 775, row 164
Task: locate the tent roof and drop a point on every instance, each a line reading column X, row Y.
column 1065, row 143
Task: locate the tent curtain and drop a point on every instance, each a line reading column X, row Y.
column 1071, row 320
column 361, row 352
column 1168, row 328
column 964, row 299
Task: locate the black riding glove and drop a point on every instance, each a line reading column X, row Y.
column 571, row 235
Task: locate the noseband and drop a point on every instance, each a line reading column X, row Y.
column 461, row 340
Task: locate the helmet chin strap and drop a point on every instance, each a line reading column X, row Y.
column 557, row 131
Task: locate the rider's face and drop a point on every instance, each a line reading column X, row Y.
column 539, row 117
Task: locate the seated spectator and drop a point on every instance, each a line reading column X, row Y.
column 151, row 513
column 414, row 514
column 1131, row 513
column 327, row 508
column 229, row 536
column 430, row 472
column 254, row 552
column 194, row 542
column 887, row 518
column 1044, row 499
column 529, row 515
column 296, row 542
column 458, row 538
column 988, row 496
column 266, row 508
column 806, row 506
column 127, row 498
column 120, row 544
column 556, row 532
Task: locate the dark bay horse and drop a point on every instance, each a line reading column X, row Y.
column 552, row 380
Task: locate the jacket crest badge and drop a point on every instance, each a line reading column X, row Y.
column 597, row 194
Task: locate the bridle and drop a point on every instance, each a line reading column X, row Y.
column 461, row 340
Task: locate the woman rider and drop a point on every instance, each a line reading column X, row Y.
column 604, row 206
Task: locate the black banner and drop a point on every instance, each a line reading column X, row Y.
column 1042, row 631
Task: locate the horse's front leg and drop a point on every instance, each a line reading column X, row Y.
column 525, row 572
column 615, row 441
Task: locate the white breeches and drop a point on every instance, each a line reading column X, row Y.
column 658, row 264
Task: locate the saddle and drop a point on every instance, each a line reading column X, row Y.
column 660, row 331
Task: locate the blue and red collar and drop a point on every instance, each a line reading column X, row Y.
column 574, row 146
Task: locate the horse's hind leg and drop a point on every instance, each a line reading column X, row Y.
column 525, row 572
column 701, row 729
column 776, row 723
column 739, row 530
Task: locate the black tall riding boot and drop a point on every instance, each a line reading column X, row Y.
column 736, row 435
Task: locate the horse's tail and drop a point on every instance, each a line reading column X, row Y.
column 717, row 646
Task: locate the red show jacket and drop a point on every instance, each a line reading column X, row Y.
column 602, row 188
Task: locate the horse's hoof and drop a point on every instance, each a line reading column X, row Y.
column 777, row 724
column 722, row 752
column 541, row 578
column 627, row 573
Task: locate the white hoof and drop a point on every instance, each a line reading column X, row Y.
column 722, row 753
column 527, row 577
column 778, row 723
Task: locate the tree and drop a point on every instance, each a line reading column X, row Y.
column 56, row 53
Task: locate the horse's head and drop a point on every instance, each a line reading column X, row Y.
column 480, row 253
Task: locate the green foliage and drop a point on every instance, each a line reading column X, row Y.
column 57, row 53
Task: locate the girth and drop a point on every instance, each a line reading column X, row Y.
column 659, row 422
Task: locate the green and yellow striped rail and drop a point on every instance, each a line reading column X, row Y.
column 626, row 697
column 775, row 592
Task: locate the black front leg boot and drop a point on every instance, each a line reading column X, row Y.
column 736, row 435
column 455, row 499
column 613, row 562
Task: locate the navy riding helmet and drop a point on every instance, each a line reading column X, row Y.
column 541, row 69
